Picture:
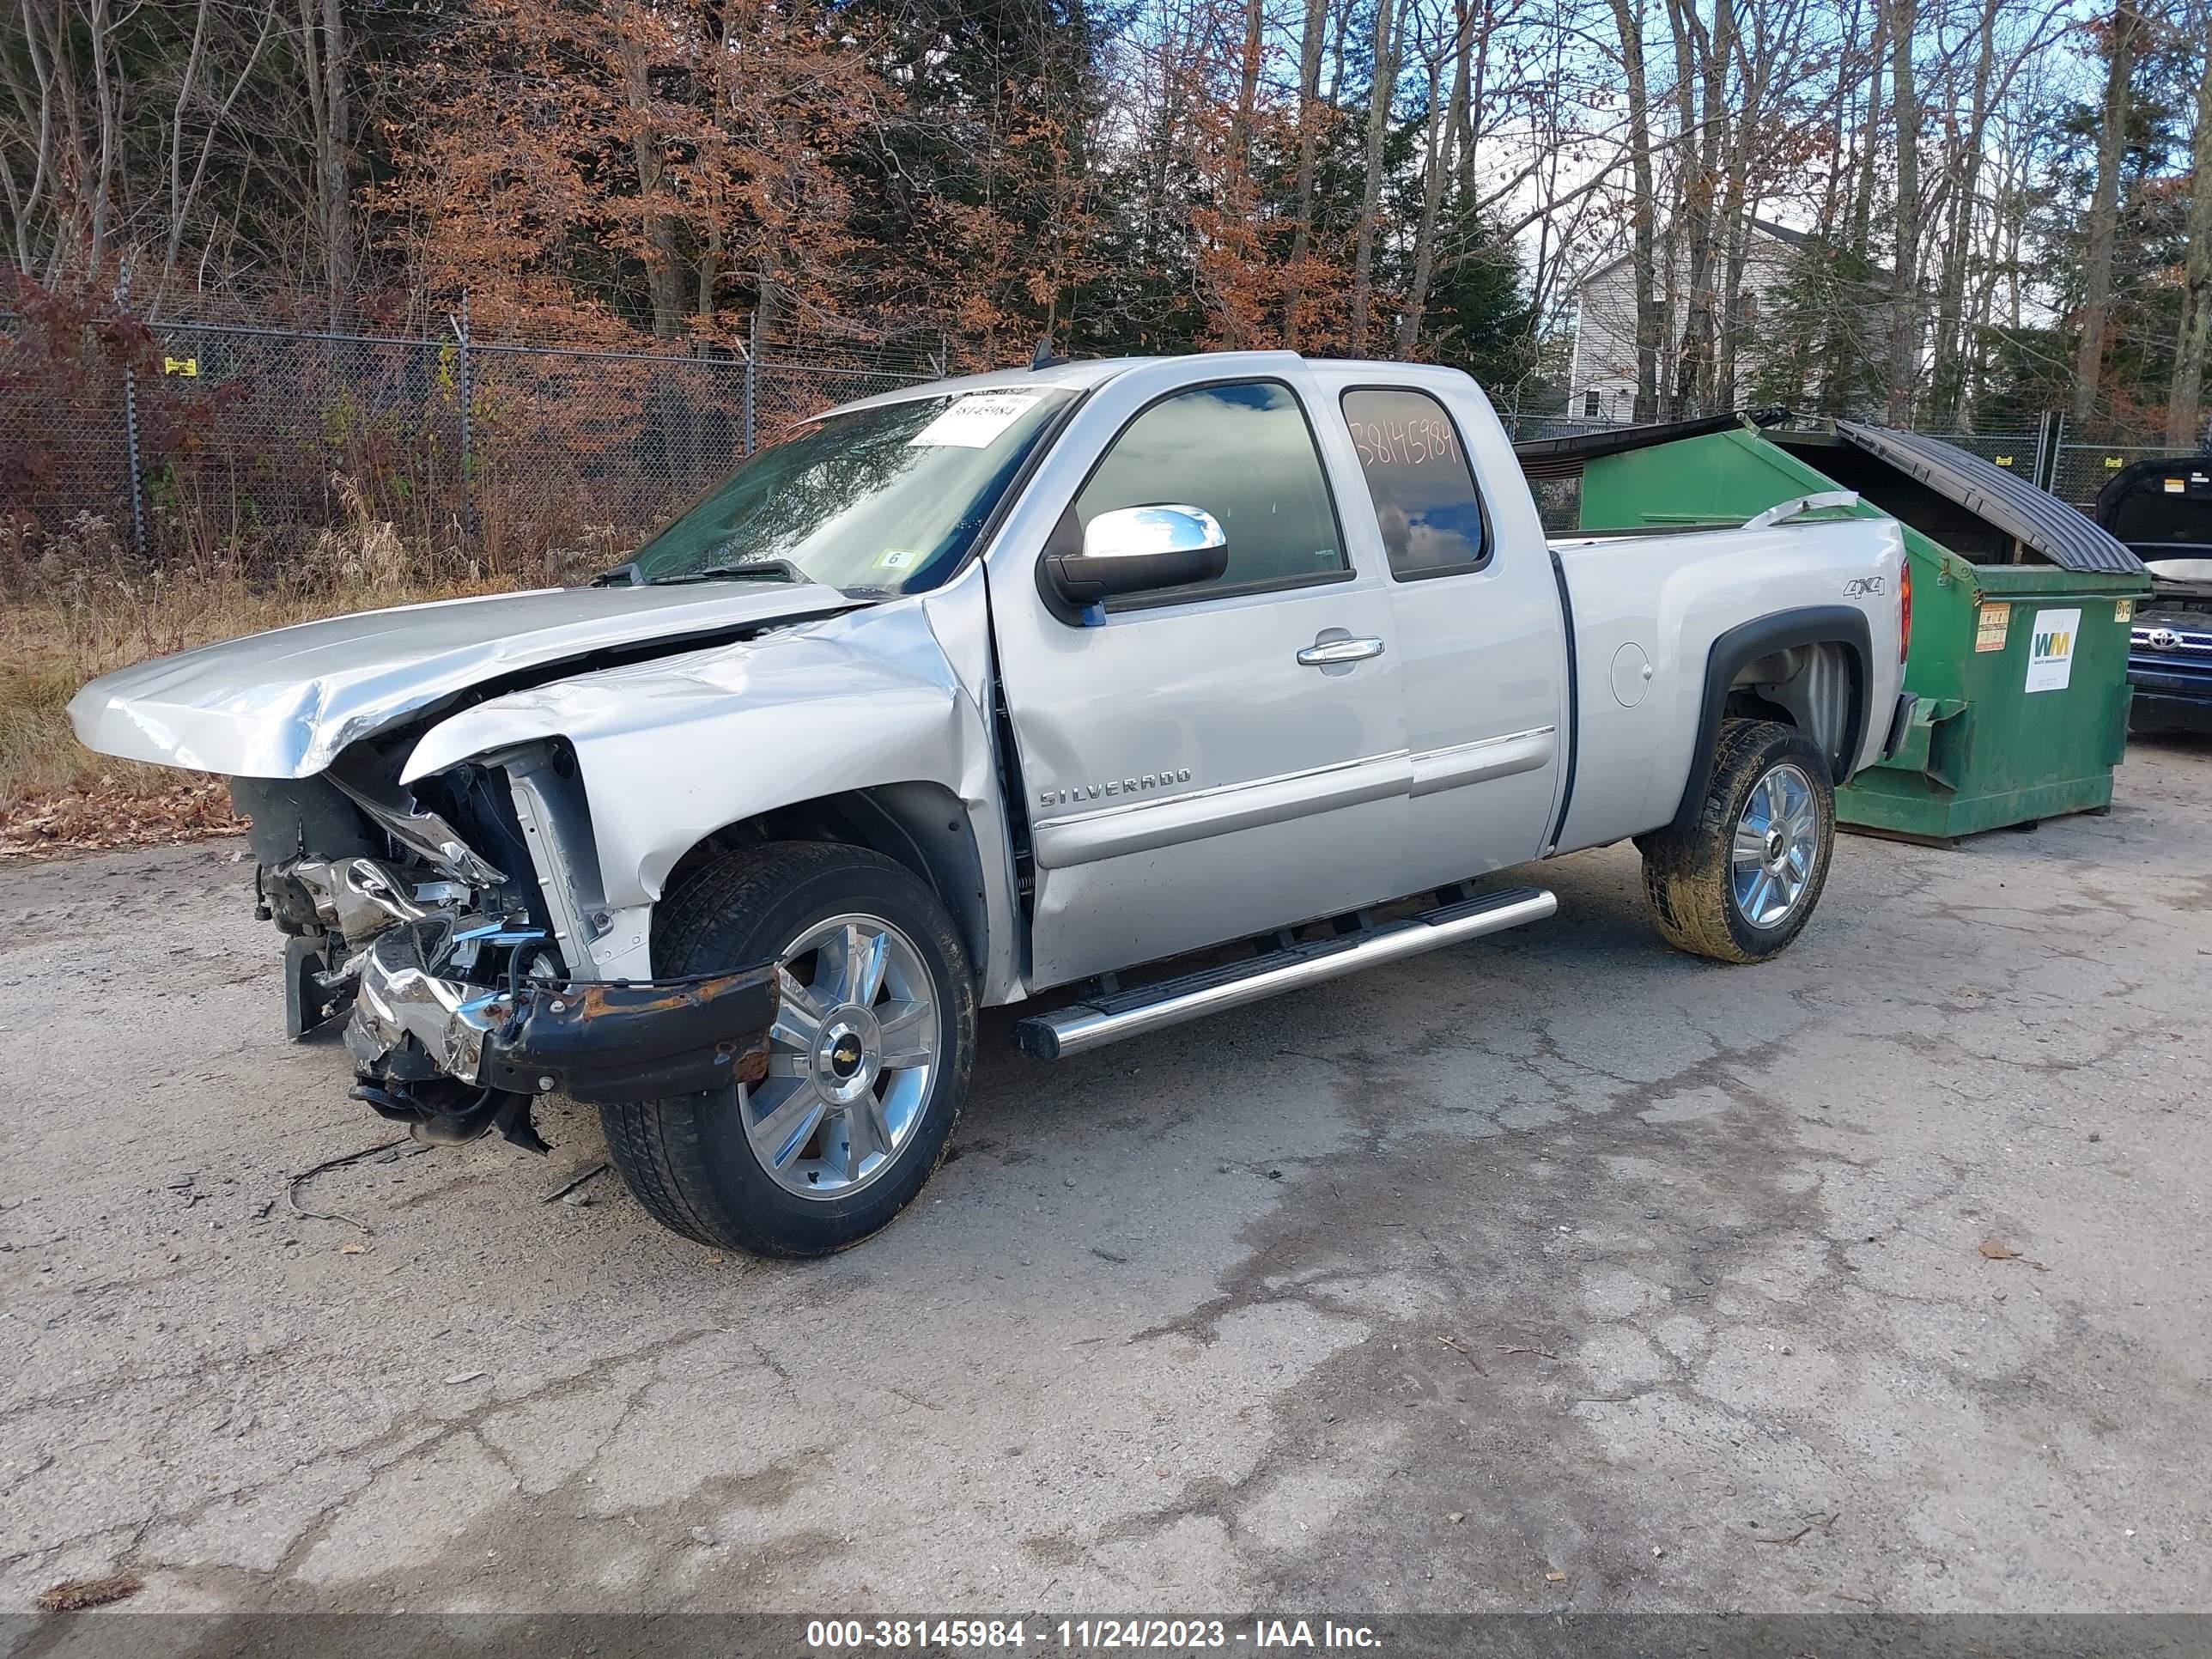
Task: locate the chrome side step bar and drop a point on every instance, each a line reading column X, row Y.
column 1105, row 1019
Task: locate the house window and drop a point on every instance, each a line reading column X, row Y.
column 1590, row 405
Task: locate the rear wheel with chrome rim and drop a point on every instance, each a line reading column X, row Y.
column 1741, row 881
column 1777, row 842
column 868, row 1060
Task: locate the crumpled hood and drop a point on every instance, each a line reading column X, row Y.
column 282, row 704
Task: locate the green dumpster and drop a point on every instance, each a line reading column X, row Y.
column 2021, row 613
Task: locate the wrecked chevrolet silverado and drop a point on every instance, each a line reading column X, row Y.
column 1133, row 690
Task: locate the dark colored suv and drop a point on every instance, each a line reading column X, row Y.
column 2162, row 510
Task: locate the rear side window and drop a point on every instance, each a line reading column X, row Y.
column 1426, row 502
column 1243, row 452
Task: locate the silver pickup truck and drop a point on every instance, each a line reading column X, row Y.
column 1158, row 685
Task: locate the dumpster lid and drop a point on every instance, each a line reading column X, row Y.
column 2035, row 517
column 1563, row 457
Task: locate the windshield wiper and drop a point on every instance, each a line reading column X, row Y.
column 754, row 570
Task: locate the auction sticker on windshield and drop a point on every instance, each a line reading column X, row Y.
column 2050, row 650
column 974, row 421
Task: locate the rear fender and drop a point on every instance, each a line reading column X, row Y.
column 1741, row 648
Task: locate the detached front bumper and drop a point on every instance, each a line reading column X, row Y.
column 420, row 1026
column 635, row 1041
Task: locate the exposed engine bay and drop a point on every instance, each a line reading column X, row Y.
column 422, row 914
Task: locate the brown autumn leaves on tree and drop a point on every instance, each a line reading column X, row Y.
column 698, row 146
column 730, row 153
column 1426, row 178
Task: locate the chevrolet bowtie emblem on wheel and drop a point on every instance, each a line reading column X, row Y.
column 2163, row 639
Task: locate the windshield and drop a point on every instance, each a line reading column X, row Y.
column 885, row 500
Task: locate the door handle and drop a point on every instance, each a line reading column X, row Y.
column 1332, row 654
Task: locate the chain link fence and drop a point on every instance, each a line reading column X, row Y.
column 263, row 447
column 2022, row 453
column 2082, row 470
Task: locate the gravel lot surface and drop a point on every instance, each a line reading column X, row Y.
column 1552, row 1272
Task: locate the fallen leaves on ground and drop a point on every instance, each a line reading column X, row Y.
column 75, row 1594
column 106, row 815
column 1995, row 1249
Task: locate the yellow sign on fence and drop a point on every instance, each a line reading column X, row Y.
column 186, row 365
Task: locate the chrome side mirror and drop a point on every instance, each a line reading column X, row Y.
column 1134, row 550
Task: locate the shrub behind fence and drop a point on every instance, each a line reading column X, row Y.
column 251, row 447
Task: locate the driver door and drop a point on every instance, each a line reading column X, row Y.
column 1197, row 770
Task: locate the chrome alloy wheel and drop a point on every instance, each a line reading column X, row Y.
column 1776, row 840
column 852, row 1057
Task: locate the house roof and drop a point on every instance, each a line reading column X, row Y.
column 1783, row 233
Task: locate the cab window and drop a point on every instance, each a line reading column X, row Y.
column 1425, row 503
column 1243, row 452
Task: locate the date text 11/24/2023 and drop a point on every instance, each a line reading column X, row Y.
column 1089, row 1635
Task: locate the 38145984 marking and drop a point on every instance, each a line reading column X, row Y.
column 1154, row 1635
column 833, row 1635
column 1088, row 1635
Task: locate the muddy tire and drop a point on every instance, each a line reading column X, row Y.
column 1743, row 880
column 869, row 1059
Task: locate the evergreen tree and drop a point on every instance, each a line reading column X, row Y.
column 1821, row 336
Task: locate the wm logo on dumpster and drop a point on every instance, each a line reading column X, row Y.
column 2050, row 650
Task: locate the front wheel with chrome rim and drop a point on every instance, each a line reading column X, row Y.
column 1742, row 880
column 868, row 1060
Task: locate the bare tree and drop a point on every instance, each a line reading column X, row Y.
column 1248, row 91
column 1309, row 119
column 1628, row 21
column 663, row 277
column 1389, row 26
column 2185, row 410
column 326, row 69
column 183, row 189
column 1441, row 133
column 2105, row 211
column 1904, row 270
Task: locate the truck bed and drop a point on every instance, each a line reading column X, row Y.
column 1646, row 610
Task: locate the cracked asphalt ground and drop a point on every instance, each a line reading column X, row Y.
column 1555, row 1271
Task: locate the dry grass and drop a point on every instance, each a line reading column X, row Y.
column 74, row 606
